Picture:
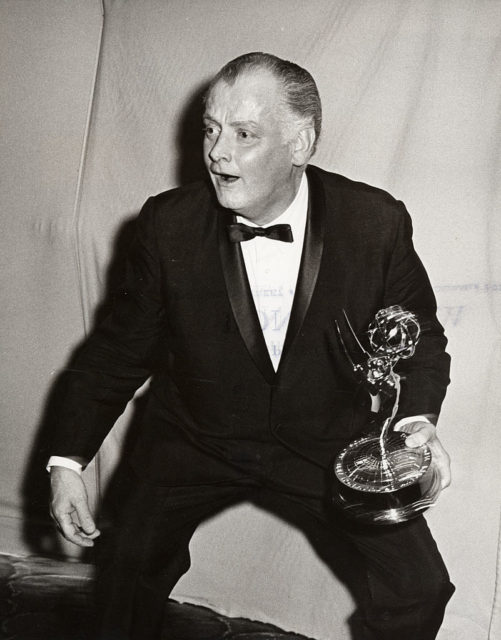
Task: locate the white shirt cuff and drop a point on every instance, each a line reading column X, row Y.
column 410, row 419
column 68, row 463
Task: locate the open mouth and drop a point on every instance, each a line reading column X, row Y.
column 226, row 178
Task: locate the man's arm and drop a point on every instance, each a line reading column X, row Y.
column 110, row 366
column 118, row 356
column 424, row 376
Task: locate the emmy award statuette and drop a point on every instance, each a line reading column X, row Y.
column 378, row 479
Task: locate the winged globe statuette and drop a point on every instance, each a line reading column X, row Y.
column 378, row 479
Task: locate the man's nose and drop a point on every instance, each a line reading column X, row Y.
column 220, row 149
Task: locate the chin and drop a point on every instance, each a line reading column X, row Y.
column 230, row 203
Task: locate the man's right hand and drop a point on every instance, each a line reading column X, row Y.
column 69, row 507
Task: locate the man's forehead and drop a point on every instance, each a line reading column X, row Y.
column 252, row 87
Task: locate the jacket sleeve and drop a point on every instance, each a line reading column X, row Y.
column 424, row 376
column 118, row 356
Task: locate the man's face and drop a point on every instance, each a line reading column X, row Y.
column 249, row 160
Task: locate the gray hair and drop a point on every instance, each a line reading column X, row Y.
column 300, row 92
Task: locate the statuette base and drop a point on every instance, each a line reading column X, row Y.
column 385, row 483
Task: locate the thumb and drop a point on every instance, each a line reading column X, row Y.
column 419, row 433
column 417, row 439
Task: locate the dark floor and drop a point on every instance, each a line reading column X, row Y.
column 42, row 599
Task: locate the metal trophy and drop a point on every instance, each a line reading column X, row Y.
column 379, row 480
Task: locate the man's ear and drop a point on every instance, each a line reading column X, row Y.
column 303, row 146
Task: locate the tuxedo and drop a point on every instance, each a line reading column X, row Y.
column 186, row 313
column 218, row 415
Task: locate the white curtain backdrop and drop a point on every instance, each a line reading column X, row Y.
column 99, row 110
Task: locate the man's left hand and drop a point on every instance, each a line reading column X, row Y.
column 426, row 433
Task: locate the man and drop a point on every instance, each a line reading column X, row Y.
column 251, row 395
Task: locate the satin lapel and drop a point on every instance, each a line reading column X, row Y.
column 240, row 295
column 310, row 261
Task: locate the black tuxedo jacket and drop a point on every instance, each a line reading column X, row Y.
column 186, row 315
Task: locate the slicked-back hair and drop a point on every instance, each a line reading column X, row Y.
column 300, row 93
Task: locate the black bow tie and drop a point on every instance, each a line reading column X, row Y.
column 239, row 232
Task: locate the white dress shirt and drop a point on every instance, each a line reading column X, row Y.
column 272, row 269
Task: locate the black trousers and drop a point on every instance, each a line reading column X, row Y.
column 395, row 573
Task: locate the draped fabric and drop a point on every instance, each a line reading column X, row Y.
column 100, row 109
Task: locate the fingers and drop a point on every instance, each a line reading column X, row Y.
column 73, row 532
column 85, row 520
column 442, row 460
column 79, row 529
column 425, row 433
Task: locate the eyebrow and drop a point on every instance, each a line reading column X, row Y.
column 235, row 123
column 239, row 123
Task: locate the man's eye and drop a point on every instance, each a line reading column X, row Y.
column 209, row 131
column 244, row 135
